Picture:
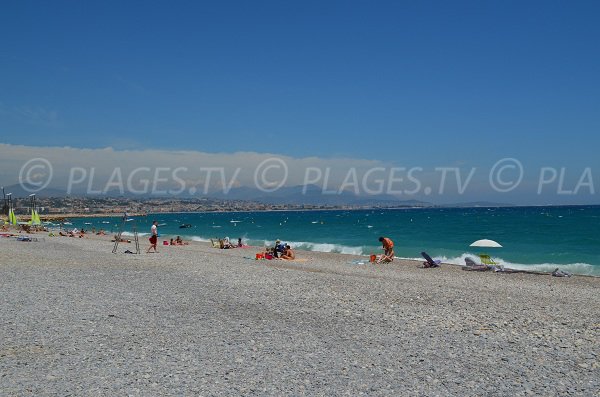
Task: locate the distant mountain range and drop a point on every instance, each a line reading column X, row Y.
column 292, row 195
column 314, row 195
column 23, row 191
column 485, row 204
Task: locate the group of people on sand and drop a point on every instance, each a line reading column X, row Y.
column 284, row 251
column 178, row 241
column 225, row 243
column 278, row 251
column 73, row 233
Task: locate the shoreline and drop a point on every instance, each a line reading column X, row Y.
column 338, row 256
column 517, row 268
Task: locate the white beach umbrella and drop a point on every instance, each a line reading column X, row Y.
column 486, row 244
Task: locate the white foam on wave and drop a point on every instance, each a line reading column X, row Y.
column 131, row 234
column 200, row 239
column 326, row 247
column 316, row 247
column 575, row 268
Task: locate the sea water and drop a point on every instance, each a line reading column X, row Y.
column 533, row 238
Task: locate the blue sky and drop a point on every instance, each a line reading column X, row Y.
column 417, row 83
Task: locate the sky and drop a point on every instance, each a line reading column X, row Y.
column 412, row 84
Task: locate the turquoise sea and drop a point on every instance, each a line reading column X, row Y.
column 534, row 238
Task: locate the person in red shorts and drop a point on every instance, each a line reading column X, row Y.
column 154, row 237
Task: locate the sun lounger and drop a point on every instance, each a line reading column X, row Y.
column 430, row 262
column 487, row 260
column 560, row 273
column 216, row 243
column 472, row 266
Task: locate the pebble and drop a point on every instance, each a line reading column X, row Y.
column 198, row 321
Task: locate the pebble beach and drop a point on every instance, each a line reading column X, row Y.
column 78, row 320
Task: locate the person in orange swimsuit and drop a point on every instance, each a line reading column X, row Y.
column 388, row 247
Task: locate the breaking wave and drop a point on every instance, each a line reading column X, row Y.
column 317, row 247
column 575, row 268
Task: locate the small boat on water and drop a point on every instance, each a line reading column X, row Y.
column 185, row 226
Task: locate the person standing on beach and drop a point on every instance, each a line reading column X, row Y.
column 154, row 237
column 388, row 248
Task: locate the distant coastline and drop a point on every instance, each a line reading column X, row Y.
column 57, row 208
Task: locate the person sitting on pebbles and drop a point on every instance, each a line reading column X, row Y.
column 279, row 248
column 288, row 253
column 225, row 243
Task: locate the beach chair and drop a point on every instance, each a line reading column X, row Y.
column 430, row 262
column 472, row 266
column 216, row 243
column 560, row 273
column 487, row 260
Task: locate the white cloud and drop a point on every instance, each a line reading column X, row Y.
column 79, row 168
column 187, row 172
